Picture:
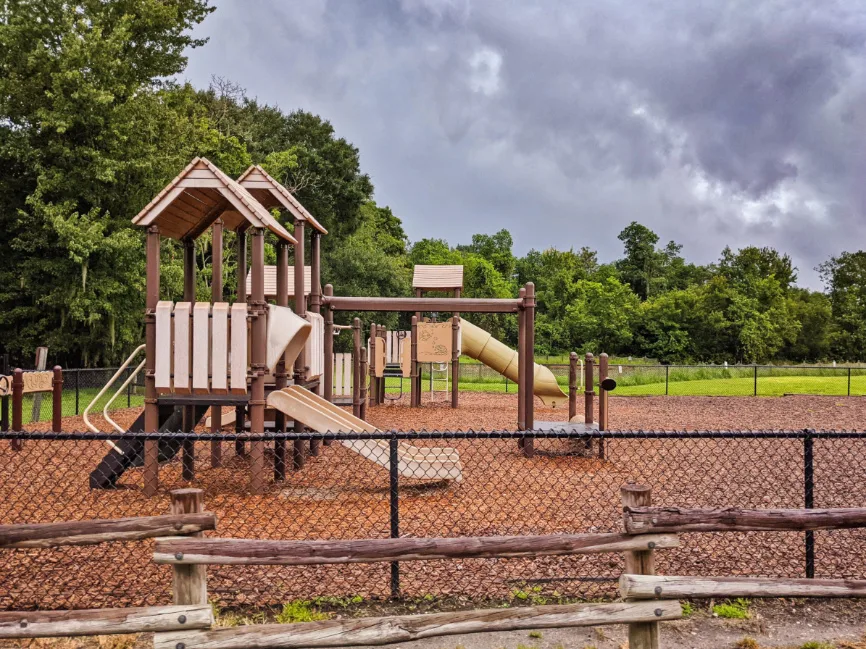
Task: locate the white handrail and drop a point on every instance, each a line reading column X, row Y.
column 111, row 381
column 116, row 394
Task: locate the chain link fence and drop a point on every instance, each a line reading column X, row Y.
column 353, row 488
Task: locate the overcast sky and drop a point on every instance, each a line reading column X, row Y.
column 712, row 122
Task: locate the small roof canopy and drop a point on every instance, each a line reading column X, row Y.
column 270, row 193
column 438, row 278
column 271, row 281
column 200, row 195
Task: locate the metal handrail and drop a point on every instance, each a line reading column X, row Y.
column 111, row 381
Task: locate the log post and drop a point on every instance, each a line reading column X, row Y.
column 257, row 308
column 57, row 400
column 529, row 412
column 17, row 407
column 414, row 384
column 602, row 401
column 641, row 635
column 189, row 582
column 356, row 367
column 151, row 405
column 240, row 413
column 588, row 390
column 216, row 295
column 572, row 385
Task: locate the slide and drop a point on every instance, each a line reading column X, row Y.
column 322, row 416
column 130, row 452
column 480, row 345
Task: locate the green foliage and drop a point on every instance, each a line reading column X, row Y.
column 737, row 609
column 688, row 609
column 299, row 611
column 814, row 644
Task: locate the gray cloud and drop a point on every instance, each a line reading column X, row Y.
column 714, row 123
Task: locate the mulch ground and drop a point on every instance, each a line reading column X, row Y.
column 340, row 495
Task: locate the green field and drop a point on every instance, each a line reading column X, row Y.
column 768, row 386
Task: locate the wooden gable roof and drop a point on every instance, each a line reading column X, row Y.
column 437, row 278
column 271, row 193
column 271, row 281
column 198, row 196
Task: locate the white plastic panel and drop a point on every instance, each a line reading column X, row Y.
column 162, row 362
column 239, row 362
column 182, row 312
column 200, row 346
column 220, row 347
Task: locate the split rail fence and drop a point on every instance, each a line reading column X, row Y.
column 648, row 599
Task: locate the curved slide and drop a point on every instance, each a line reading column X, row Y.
column 322, row 416
column 483, row 347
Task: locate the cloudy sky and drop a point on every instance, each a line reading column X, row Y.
column 713, row 123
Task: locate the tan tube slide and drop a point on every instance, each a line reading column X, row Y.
column 480, row 345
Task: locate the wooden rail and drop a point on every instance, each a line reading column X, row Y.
column 255, row 552
column 385, row 630
column 48, row 535
column 103, row 621
column 652, row 587
column 658, row 520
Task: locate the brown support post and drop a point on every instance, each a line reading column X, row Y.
column 414, row 385
column 455, row 359
column 641, row 635
column 151, row 407
column 572, row 385
column 588, row 390
column 17, row 407
column 281, row 373
column 300, row 298
column 529, row 412
column 258, row 362
column 363, row 357
column 189, row 583
column 240, row 414
column 328, row 377
column 188, row 426
column 374, row 388
column 216, row 295
column 57, row 400
column 356, row 367
column 602, row 401
column 315, row 271
column 521, row 365
column 383, row 331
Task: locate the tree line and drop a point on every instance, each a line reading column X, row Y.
column 92, row 127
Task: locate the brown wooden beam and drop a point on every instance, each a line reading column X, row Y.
column 653, row 520
column 424, row 304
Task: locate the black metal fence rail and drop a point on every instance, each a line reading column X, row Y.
column 565, row 487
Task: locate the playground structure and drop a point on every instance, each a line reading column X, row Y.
column 268, row 360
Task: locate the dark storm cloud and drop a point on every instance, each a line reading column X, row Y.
column 714, row 123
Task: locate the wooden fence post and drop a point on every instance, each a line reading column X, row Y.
column 17, row 407
column 57, row 400
column 572, row 385
column 641, row 635
column 189, row 582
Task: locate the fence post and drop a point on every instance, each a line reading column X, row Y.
column 129, row 390
column 394, row 484
column 809, row 497
column 849, row 381
column 189, row 583
column 77, row 382
column 589, row 391
column 7, row 388
column 17, row 406
column 667, row 378
column 57, row 400
column 641, row 635
column 755, row 391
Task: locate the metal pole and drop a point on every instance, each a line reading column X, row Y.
column 240, row 411
column 394, row 480
column 189, row 270
column 257, row 308
column 356, row 367
column 216, row 295
column 77, row 381
column 57, row 400
column 151, row 407
column 414, row 383
column 849, row 381
column 755, row 391
column 667, row 378
column 809, row 497
column 529, row 412
column 572, row 385
column 281, row 373
column 588, row 390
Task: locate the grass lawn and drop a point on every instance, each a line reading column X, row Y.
column 85, row 395
column 768, row 386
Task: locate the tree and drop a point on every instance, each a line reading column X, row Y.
column 600, row 318
column 845, row 279
column 650, row 271
column 752, row 262
column 76, row 85
column 496, row 249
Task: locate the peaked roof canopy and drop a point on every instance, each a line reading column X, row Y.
column 270, row 193
column 437, row 278
column 197, row 197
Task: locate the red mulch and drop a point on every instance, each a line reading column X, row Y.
column 339, row 495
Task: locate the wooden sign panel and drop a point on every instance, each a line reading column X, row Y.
column 33, row 382
column 434, row 342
